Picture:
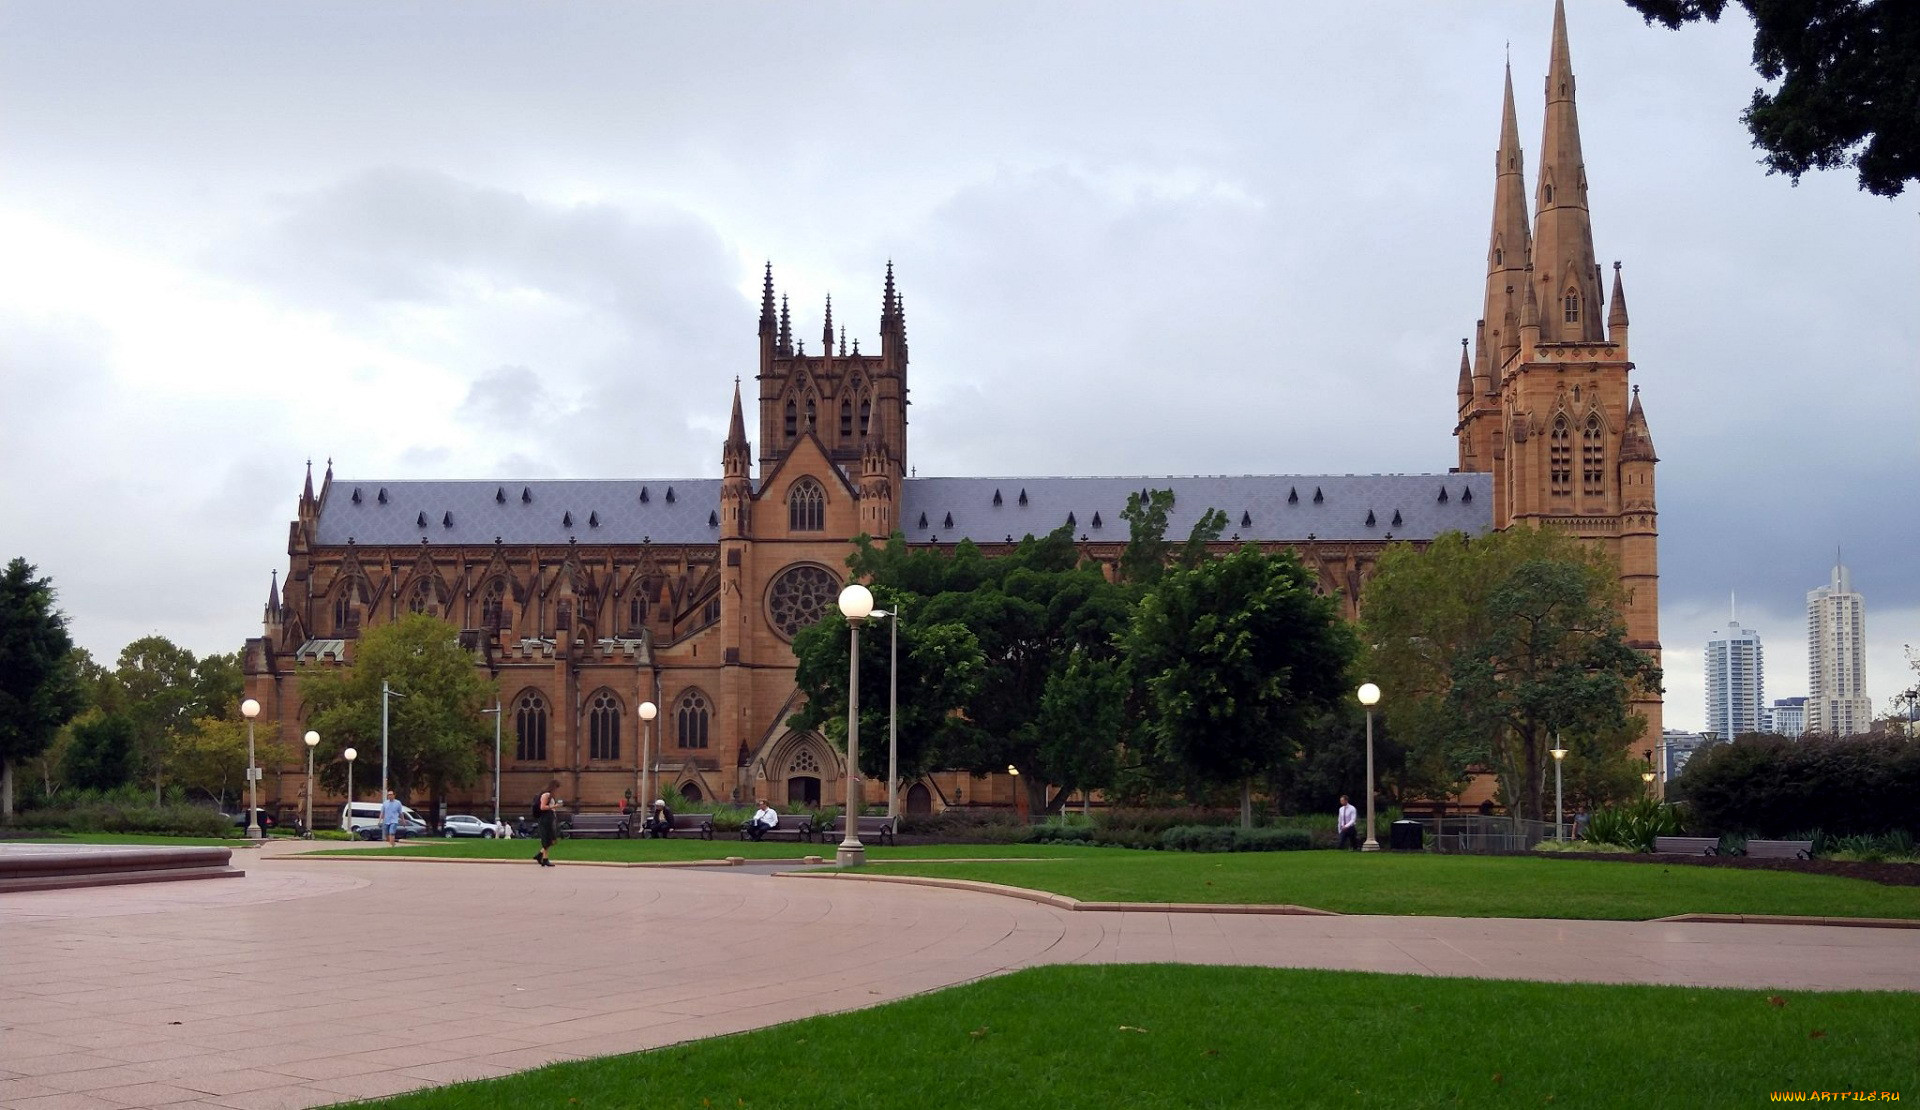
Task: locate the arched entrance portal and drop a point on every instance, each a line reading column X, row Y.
column 691, row 792
column 803, row 790
column 919, row 800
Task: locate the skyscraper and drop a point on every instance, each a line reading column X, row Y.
column 1735, row 682
column 1837, row 701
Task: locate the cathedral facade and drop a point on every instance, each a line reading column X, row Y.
column 585, row 600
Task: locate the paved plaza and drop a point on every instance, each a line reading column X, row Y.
column 313, row 981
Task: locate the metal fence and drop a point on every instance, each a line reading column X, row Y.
column 1476, row 833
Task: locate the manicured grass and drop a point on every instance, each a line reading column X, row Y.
column 720, row 847
column 1165, row 1036
column 1436, row 885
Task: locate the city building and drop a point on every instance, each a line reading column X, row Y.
column 584, row 599
column 1677, row 747
column 1837, row 701
column 1735, row 682
column 1787, row 717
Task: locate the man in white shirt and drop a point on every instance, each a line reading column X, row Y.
column 1349, row 824
column 763, row 819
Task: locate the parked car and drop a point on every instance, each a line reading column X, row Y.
column 266, row 820
column 465, row 824
column 362, row 819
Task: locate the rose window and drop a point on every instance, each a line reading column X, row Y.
column 799, row 595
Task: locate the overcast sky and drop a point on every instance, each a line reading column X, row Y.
column 524, row 239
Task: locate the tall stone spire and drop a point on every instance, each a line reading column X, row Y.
column 766, row 302
column 1509, row 243
column 1564, row 268
column 785, row 342
column 1636, row 441
column 826, row 334
column 1617, row 314
column 1465, row 389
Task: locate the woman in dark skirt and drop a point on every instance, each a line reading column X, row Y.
column 547, row 808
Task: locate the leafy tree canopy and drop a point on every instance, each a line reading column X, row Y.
column 1849, row 83
column 100, row 756
column 1487, row 649
column 437, row 736
column 40, row 689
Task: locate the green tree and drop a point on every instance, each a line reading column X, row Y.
column 39, row 682
column 437, row 736
column 156, row 692
column 1332, row 761
column 940, row 668
column 210, row 755
column 1488, row 648
column 1849, row 83
column 101, row 753
column 1237, row 653
column 1144, row 559
column 1084, row 720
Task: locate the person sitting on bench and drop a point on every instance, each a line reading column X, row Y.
column 763, row 819
column 659, row 822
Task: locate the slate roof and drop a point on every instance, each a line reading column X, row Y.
column 1258, row 507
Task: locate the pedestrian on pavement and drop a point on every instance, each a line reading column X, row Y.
column 1349, row 829
column 390, row 819
column 545, row 813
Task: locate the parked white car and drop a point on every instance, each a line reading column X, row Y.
column 362, row 819
column 465, row 824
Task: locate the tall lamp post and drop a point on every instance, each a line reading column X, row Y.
column 1369, row 696
column 856, row 604
column 251, row 709
column 349, row 755
column 1559, row 820
column 1647, row 776
column 385, row 693
column 497, row 714
column 648, row 711
column 893, row 707
column 313, row 741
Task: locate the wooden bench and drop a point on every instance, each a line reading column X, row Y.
column 689, row 824
column 1686, row 845
column 879, row 829
column 597, row 824
column 1779, row 849
column 795, row 830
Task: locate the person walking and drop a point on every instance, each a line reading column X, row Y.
column 546, row 815
column 1349, row 824
column 390, row 819
column 763, row 819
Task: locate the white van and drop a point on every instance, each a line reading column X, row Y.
column 362, row 820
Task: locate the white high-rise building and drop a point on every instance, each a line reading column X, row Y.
column 1736, row 697
column 1837, row 702
column 1788, row 717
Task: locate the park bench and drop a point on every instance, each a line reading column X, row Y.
column 597, row 824
column 1779, row 849
column 690, row 824
column 879, row 829
column 1686, row 845
column 788, row 829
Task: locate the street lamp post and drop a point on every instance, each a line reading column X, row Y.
column 648, row 711
column 385, row 693
column 497, row 714
column 1647, row 776
column 349, row 756
column 251, row 709
column 893, row 708
column 1369, row 696
column 313, row 741
column 856, row 604
column 1559, row 820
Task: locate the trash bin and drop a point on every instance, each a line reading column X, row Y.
column 1406, row 836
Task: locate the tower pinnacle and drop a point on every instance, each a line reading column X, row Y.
column 766, row 302
column 1509, row 242
column 1563, row 228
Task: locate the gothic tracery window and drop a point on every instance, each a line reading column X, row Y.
column 492, row 605
column 691, row 718
column 866, row 416
column 846, row 418
column 342, row 613
column 792, row 421
column 806, row 506
column 798, row 596
column 603, row 726
column 1593, row 456
column 1560, row 458
column 804, row 763
column 421, row 598
column 530, row 728
column 1573, row 308
column 637, row 613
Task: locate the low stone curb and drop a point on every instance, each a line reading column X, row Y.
column 1061, row 901
column 1786, row 919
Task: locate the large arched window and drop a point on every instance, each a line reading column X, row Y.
column 530, row 728
column 343, row 612
column 846, row 419
column 813, row 416
column 603, row 726
column 421, row 598
column 792, row 421
column 1560, row 458
column 636, row 613
column 806, row 506
column 1572, row 307
column 1593, row 456
column 866, row 416
column 691, row 719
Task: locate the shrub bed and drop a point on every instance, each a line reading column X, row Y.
column 111, row 817
column 1232, row 838
column 1772, row 786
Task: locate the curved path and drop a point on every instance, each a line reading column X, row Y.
column 313, row 981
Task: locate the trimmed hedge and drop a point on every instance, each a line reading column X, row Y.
column 177, row 820
column 1229, row 838
column 1772, row 786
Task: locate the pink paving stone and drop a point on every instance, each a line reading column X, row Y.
column 561, row 963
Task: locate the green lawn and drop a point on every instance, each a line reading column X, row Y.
column 720, row 847
column 1436, row 885
column 121, row 838
column 1168, row 1036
